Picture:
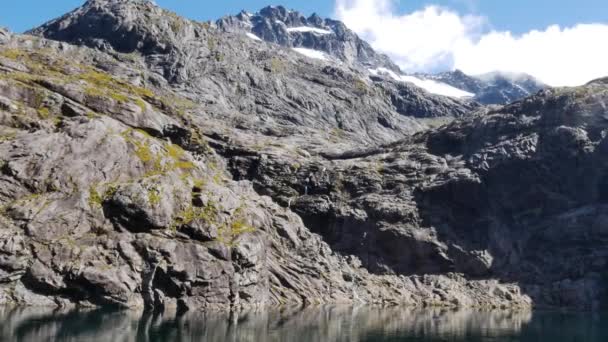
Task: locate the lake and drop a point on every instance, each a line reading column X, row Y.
column 328, row 324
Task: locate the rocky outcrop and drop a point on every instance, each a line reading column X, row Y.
column 170, row 164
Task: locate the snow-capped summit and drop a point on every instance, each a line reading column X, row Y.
column 313, row 35
column 491, row 88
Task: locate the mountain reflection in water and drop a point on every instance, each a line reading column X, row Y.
column 330, row 324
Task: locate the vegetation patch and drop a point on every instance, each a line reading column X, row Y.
column 209, row 214
column 110, row 191
column 7, row 136
column 46, row 66
column 44, row 113
column 154, row 196
column 179, row 105
column 175, row 151
column 361, row 87
column 229, row 233
column 13, row 54
column 105, row 81
column 141, row 104
column 277, row 65
column 171, row 158
column 95, row 199
column 199, row 184
column 211, row 43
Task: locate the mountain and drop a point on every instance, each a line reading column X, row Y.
column 147, row 160
column 234, row 74
column 492, row 88
column 326, row 39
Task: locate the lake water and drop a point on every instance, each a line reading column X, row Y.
column 327, row 324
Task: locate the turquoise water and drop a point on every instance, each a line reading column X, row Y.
column 330, row 324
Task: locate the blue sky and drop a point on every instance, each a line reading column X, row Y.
column 517, row 16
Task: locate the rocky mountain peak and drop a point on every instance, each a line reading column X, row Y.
column 108, row 2
column 277, row 24
column 118, row 5
column 121, row 25
column 278, row 13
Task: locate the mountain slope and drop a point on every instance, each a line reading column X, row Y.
column 517, row 194
column 243, row 78
column 115, row 183
column 154, row 161
column 111, row 196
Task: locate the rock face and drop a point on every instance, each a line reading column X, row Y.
column 111, row 196
column 515, row 193
column 492, row 88
column 147, row 160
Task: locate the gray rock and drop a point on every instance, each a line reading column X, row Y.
column 513, row 193
column 5, row 35
column 148, row 160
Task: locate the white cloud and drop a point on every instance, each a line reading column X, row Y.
column 437, row 38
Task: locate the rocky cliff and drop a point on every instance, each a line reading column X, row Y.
column 149, row 160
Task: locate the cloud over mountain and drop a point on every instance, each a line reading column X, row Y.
column 437, row 38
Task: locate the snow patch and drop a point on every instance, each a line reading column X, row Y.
column 253, row 36
column 315, row 30
column 524, row 91
column 431, row 86
column 316, row 54
column 438, row 88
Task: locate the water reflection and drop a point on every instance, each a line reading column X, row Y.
column 331, row 324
